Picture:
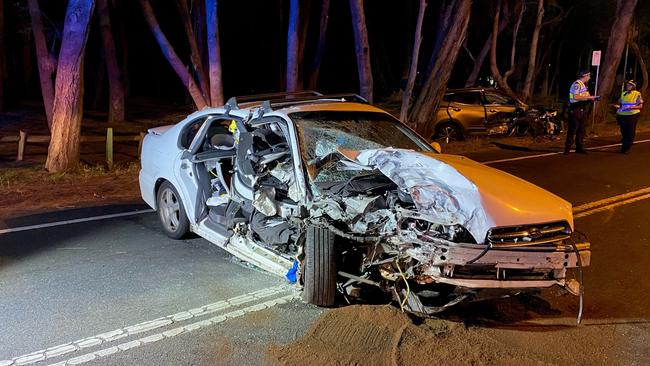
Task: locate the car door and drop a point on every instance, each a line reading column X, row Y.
column 467, row 108
column 499, row 107
column 191, row 171
column 259, row 146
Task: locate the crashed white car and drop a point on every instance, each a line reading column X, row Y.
column 338, row 196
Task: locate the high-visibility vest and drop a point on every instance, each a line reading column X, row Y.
column 578, row 89
column 627, row 100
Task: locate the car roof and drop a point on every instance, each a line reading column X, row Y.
column 300, row 101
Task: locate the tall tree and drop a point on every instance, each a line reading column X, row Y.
column 434, row 87
column 195, row 54
column 63, row 152
column 362, row 48
column 480, row 59
column 293, row 45
column 46, row 62
column 612, row 58
column 3, row 69
column 529, row 83
column 502, row 80
column 171, row 56
column 214, row 53
column 115, row 85
column 417, row 40
column 320, row 47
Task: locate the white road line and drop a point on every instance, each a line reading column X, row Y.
column 107, row 337
column 554, row 153
column 173, row 332
column 75, row 221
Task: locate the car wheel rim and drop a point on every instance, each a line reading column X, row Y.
column 170, row 210
column 523, row 130
column 448, row 133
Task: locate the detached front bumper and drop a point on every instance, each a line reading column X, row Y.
column 470, row 266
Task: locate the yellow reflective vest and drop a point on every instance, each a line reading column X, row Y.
column 629, row 99
column 578, row 89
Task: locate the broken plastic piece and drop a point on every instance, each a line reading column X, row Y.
column 292, row 274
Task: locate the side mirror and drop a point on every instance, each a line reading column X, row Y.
column 436, row 146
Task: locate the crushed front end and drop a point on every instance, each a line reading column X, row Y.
column 416, row 228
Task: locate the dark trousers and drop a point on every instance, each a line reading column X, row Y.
column 578, row 116
column 628, row 130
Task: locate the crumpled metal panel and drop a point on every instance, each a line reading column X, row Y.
column 437, row 189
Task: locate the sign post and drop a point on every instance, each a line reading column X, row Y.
column 595, row 61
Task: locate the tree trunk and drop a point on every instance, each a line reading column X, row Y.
column 320, row 48
column 200, row 31
column 502, row 80
column 3, row 69
column 408, row 91
column 434, row 88
column 46, row 64
column 172, row 57
column 292, row 46
column 115, row 86
column 123, row 44
column 362, row 48
column 529, row 84
column 644, row 73
column 444, row 18
column 615, row 45
column 303, row 30
column 195, row 54
column 63, row 152
column 214, row 53
column 478, row 64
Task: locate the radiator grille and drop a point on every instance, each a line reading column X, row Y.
column 528, row 235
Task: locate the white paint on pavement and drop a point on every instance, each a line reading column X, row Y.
column 174, row 332
column 75, row 221
column 107, row 337
column 555, row 153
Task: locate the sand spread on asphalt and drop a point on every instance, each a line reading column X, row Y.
column 383, row 335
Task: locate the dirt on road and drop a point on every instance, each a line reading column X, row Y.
column 382, row 335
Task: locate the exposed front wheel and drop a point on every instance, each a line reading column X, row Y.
column 320, row 267
column 171, row 212
column 448, row 132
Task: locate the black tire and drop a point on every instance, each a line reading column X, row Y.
column 523, row 130
column 320, row 267
column 171, row 212
column 447, row 132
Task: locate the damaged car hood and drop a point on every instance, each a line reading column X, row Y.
column 456, row 190
column 510, row 200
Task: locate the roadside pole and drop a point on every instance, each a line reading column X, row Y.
column 595, row 61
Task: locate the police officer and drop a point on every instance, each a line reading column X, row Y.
column 579, row 107
column 629, row 107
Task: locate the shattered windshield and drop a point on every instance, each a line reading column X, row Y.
column 322, row 132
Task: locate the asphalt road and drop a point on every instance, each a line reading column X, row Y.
column 90, row 286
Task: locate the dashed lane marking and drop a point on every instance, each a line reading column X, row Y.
column 107, row 337
column 554, row 153
column 173, row 332
column 75, row 221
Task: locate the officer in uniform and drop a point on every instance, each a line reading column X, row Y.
column 629, row 107
column 579, row 108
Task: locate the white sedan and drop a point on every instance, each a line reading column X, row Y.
column 337, row 196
